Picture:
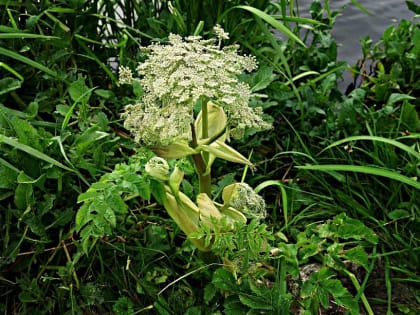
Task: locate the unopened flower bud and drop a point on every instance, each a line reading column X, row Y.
column 243, row 198
column 158, row 167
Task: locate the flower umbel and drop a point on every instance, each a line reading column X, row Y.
column 178, row 75
column 125, row 75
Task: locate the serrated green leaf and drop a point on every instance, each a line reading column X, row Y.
column 115, row 202
column 82, row 216
column 90, row 194
column 357, row 255
column 255, row 302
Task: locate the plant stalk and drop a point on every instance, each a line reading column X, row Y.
column 200, row 159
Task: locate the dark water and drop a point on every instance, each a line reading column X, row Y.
column 353, row 24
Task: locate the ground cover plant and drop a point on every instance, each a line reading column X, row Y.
column 106, row 208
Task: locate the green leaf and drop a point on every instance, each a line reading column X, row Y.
column 88, row 138
column 255, row 302
column 79, row 92
column 86, row 196
column 360, row 7
column 395, row 143
column 158, row 191
column 9, row 84
column 26, row 133
column 115, row 202
column 409, row 117
column 398, row 214
column 357, row 255
column 7, row 176
column 349, row 228
column 224, row 280
column 262, row 78
column 24, row 196
column 82, row 216
column 397, row 97
column 209, row 293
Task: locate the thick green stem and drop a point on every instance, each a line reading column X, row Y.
column 204, row 120
column 203, row 177
column 201, row 159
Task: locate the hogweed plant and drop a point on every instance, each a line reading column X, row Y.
column 193, row 104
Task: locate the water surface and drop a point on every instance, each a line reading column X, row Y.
column 353, row 25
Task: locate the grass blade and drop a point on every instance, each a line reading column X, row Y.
column 14, row 55
column 31, row 151
column 395, row 143
column 365, row 170
column 25, row 35
column 273, row 22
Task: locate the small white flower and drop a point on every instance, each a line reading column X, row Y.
column 220, row 32
column 125, row 75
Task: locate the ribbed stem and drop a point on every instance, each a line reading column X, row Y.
column 200, row 159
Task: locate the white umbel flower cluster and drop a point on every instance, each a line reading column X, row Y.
column 177, row 75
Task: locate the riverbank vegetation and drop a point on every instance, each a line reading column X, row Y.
column 93, row 223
